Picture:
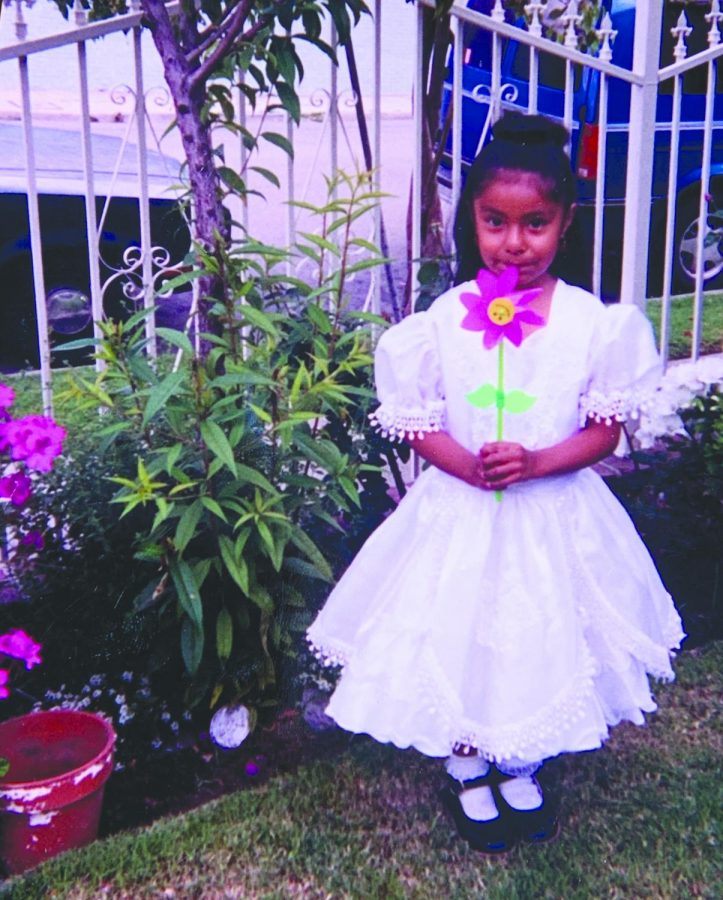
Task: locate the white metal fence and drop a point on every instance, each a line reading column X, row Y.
column 673, row 118
column 661, row 119
column 143, row 266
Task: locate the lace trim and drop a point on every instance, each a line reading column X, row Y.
column 532, row 738
column 398, row 425
column 328, row 656
column 611, row 406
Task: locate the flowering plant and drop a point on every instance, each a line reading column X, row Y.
column 662, row 416
column 32, row 444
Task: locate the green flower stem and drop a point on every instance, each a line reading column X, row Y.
column 500, row 398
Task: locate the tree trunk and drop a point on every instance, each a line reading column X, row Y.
column 208, row 221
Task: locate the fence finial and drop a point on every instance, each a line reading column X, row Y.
column 713, row 18
column 21, row 26
column 533, row 10
column 571, row 19
column 498, row 13
column 81, row 16
column 681, row 30
column 607, row 35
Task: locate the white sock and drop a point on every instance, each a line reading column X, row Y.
column 465, row 768
column 522, row 793
column 478, row 804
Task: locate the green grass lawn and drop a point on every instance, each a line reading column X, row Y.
column 640, row 819
column 681, row 324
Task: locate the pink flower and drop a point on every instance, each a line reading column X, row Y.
column 36, row 440
column 7, row 397
column 17, row 487
column 18, row 644
column 4, row 678
column 498, row 310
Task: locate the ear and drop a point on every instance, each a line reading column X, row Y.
column 570, row 215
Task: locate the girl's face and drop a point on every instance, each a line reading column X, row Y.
column 517, row 224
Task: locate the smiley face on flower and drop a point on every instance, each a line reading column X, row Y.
column 498, row 310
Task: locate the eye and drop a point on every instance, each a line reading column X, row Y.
column 537, row 223
column 493, row 220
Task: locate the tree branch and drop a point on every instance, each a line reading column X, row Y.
column 225, row 44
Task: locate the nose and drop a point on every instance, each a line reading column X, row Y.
column 514, row 239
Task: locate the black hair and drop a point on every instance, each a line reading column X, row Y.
column 525, row 143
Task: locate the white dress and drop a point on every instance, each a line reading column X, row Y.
column 527, row 626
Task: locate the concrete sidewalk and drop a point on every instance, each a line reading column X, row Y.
column 118, row 106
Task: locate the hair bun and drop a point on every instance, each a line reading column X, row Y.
column 518, row 128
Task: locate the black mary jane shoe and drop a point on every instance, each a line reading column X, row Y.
column 492, row 836
column 535, row 826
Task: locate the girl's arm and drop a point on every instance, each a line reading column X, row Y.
column 442, row 451
column 504, row 463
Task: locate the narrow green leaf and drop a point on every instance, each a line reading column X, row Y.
column 267, row 174
column 186, row 527
column 212, row 506
column 177, row 338
column 218, row 444
column 253, row 476
column 235, row 564
column 224, row 634
column 303, row 542
column 319, row 318
column 280, row 141
column 187, row 590
column 261, row 598
column 191, row 646
column 161, row 393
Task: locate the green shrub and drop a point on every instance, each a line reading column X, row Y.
column 234, row 467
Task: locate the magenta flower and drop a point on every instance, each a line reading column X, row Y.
column 498, row 310
column 18, row 644
column 16, row 487
column 36, row 440
column 7, row 397
column 4, row 678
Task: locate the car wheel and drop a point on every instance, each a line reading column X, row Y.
column 686, row 240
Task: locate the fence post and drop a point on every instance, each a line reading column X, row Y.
column 646, row 54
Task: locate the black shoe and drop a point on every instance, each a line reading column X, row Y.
column 532, row 825
column 491, row 836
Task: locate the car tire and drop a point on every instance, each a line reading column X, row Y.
column 686, row 235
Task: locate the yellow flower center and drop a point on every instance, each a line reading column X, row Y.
column 501, row 311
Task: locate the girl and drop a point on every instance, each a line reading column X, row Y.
column 507, row 611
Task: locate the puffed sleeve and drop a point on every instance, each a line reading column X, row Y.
column 408, row 380
column 624, row 366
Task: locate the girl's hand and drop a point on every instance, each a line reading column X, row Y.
column 503, row 463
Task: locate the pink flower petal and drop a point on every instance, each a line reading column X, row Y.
column 487, row 283
column 506, row 281
column 513, row 332
column 493, row 335
column 530, row 316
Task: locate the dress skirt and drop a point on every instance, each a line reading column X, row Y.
column 525, row 627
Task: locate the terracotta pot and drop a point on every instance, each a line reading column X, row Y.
column 51, row 796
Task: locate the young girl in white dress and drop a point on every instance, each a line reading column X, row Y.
column 507, row 611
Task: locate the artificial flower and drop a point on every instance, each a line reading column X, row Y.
column 16, row 487
column 18, row 644
column 498, row 310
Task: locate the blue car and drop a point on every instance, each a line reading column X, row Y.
column 477, row 78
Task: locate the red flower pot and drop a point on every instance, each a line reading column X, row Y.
column 51, row 796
